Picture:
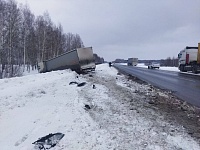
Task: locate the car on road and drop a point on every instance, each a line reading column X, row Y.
column 154, row 65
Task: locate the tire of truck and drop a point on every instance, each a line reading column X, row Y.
column 182, row 68
column 194, row 69
column 148, row 67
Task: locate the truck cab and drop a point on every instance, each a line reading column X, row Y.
column 187, row 59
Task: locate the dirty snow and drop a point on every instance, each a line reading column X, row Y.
column 161, row 68
column 35, row 105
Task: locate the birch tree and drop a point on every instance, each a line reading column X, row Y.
column 12, row 25
column 28, row 37
column 2, row 37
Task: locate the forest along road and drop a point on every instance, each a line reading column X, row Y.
column 185, row 87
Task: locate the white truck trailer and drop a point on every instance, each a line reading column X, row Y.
column 132, row 61
column 189, row 59
column 79, row 60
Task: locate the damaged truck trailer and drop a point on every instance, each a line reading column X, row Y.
column 79, row 60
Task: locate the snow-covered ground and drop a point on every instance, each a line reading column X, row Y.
column 161, row 68
column 118, row 118
column 142, row 65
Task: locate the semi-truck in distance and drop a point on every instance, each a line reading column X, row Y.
column 189, row 59
column 132, row 61
column 79, row 60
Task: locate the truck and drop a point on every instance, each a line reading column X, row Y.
column 132, row 62
column 79, row 60
column 189, row 59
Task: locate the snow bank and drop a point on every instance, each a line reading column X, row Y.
column 34, row 106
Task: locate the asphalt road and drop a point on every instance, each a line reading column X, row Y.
column 184, row 86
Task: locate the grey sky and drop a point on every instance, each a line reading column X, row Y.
column 147, row 29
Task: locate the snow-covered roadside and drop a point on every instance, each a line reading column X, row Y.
column 161, row 68
column 36, row 105
column 129, row 119
column 142, row 65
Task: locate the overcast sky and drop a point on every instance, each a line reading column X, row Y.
column 147, row 29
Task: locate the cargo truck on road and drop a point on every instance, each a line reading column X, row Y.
column 79, row 60
column 189, row 59
column 132, row 61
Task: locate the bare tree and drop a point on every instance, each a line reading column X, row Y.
column 73, row 41
column 76, row 41
column 2, row 37
column 27, row 30
column 26, row 40
column 13, row 20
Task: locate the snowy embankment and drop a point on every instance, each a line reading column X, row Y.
column 118, row 116
column 161, row 68
column 142, row 65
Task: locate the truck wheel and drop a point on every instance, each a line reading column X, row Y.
column 194, row 69
column 148, row 67
column 182, row 68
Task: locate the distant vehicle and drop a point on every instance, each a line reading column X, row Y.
column 79, row 60
column 189, row 59
column 154, row 65
column 132, row 61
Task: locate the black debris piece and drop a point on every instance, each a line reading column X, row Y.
column 94, row 87
column 87, row 106
column 73, row 82
column 81, row 84
column 48, row 141
column 90, row 75
column 151, row 102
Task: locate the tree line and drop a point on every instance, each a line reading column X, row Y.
column 26, row 39
column 170, row 62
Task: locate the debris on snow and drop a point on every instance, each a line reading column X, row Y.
column 48, row 141
column 108, row 124
column 81, row 84
column 87, row 106
column 90, row 75
column 73, row 82
column 119, row 73
column 78, row 84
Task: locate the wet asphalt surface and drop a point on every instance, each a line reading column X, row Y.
column 184, row 86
